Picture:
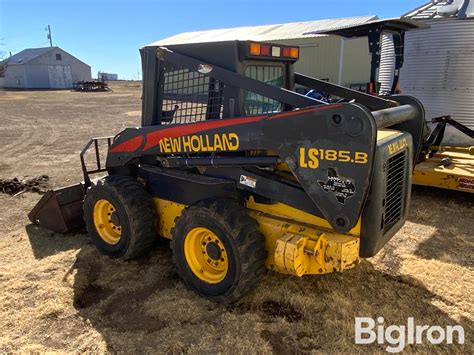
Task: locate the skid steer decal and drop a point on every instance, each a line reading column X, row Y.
column 397, row 146
column 342, row 188
column 248, row 181
column 310, row 157
column 465, row 183
column 131, row 145
column 200, row 143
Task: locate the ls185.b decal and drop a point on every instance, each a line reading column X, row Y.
column 311, row 157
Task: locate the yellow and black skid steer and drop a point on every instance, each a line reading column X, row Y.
column 242, row 173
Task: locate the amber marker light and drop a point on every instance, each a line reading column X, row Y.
column 294, row 52
column 255, row 48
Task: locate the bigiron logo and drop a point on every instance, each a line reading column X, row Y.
column 397, row 336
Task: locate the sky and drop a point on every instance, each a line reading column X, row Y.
column 107, row 34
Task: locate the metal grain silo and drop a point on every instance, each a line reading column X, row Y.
column 439, row 63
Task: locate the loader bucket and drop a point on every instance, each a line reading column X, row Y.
column 60, row 210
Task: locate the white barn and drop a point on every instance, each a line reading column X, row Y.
column 43, row 68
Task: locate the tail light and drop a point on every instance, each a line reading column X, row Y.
column 276, row 51
column 265, row 50
column 269, row 51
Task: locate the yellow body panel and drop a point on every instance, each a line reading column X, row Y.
column 384, row 133
column 295, row 215
column 167, row 212
column 297, row 242
column 459, row 175
column 299, row 250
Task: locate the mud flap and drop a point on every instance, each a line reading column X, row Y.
column 60, row 210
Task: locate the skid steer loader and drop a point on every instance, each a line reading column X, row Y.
column 438, row 165
column 242, row 173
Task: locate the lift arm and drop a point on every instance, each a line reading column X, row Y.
column 374, row 102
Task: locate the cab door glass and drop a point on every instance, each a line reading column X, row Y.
column 255, row 104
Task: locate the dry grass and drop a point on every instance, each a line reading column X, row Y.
column 58, row 293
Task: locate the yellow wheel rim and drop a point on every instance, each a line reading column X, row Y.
column 206, row 255
column 107, row 222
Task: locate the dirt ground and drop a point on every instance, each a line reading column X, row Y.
column 57, row 293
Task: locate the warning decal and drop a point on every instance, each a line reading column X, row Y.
column 465, row 183
column 248, row 181
column 342, row 188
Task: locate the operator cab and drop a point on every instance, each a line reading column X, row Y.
column 189, row 96
column 271, row 64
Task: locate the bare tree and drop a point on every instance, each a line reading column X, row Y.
column 4, row 56
column 3, row 67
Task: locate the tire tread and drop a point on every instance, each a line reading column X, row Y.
column 139, row 208
column 249, row 242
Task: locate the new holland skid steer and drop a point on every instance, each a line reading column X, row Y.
column 242, row 173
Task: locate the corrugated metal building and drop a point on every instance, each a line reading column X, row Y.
column 338, row 60
column 439, row 62
column 43, row 68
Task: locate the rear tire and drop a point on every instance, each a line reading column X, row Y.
column 218, row 250
column 119, row 217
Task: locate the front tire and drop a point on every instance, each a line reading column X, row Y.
column 218, row 250
column 119, row 217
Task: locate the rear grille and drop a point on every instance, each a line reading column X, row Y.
column 395, row 192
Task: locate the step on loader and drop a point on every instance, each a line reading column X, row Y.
column 242, row 173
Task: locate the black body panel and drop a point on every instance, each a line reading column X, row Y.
column 184, row 187
column 386, row 208
column 268, row 186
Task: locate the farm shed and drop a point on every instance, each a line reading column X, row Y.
column 108, row 76
column 439, row 62
column 332, row 58
column 43, row 68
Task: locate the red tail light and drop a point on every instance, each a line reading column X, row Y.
column 265, row 50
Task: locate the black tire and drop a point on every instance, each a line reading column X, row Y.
column 244, row 246
column 135, row 213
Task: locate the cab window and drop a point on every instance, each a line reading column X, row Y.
column 255, row 104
